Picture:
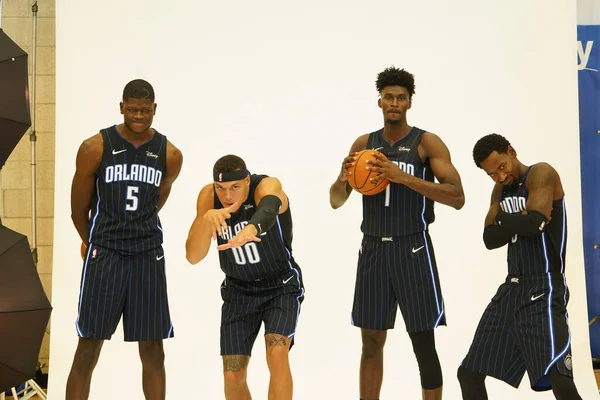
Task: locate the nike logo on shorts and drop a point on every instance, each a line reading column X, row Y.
column 287, row 280
column 534, row 297
column 415, row 250
column 158, row 258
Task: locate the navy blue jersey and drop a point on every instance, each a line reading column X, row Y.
column 271, row 257
column 535, row 255
column 124, row 208
column 399, row 210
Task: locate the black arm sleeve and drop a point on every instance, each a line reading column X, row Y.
column 495, row 236
column 530, row 224
column 266, row 213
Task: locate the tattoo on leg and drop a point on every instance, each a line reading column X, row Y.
column 277, row 341
column 235, row 363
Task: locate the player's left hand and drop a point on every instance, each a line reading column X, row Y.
column 387, row 169
column 247, row 234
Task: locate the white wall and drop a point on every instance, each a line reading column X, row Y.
column 289, row 86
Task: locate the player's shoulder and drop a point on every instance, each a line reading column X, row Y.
column 207, row 190
column 93, row 145
column 206, row 196
column 268, row 181
column 542, row 173
column 360, row 143
column 428, row 137
column 542, row 170
column 173, row 152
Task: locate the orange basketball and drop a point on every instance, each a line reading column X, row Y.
column 83, row 250
column 360, row 178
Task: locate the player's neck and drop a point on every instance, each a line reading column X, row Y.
column 394, row 131
column 134, row 138
column 522, row 169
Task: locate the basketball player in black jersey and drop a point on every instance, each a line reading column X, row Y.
column 525, row 326
column 123, row 178
column 396, row 265
column 249, row 216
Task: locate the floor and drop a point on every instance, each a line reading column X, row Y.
column 597, row 373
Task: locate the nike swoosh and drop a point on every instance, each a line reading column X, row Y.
column 534, row 298
column 415, row 250
column 160, row 258
column 117, row 152
column 287, row 280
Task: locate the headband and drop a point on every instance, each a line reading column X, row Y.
column 230, row 176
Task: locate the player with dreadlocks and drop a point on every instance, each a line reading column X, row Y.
column 396, row 264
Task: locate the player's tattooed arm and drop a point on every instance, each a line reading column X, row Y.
column 88, row 159
column 341, row 189
column 174, row 163
column 235, row 363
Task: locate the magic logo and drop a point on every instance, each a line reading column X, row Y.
column 584, row 50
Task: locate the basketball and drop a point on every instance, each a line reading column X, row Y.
column 360, row 177
column 83, row 249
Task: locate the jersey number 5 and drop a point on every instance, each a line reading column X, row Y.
column 132, row 200
column 246, row 253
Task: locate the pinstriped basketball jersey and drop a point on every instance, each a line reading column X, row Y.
column 535, row 255
column 270, row 257
column 124, row 208
column 399, row 210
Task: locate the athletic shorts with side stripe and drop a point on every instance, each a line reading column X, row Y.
column 398, row 271
column 525, row 327
column 246, row 305
column 133, row 286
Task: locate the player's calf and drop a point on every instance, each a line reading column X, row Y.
column 281, row 383
column 472, row 384
column 427, row 358
column 563, row 386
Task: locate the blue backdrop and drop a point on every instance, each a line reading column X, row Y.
column 588, row 53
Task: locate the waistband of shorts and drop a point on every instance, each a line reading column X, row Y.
column 388, row 239
column 551, row 276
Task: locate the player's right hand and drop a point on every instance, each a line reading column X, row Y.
column 346, row 164
column 217, row 219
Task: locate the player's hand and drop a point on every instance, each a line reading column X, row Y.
column 346, row 164
column 217, row 219
column 83, row 250
column 248, row 234
column 387, row 169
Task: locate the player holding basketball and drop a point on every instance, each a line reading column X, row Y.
column 123, row 178
column 396, row 264
column 525, row 327
column 250, row 217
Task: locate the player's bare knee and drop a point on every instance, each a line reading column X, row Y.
column 235, row 369
column 152, row 354
column 86, row 355
column 372, row 342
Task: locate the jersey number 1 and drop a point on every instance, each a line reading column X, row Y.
column 132, row 200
